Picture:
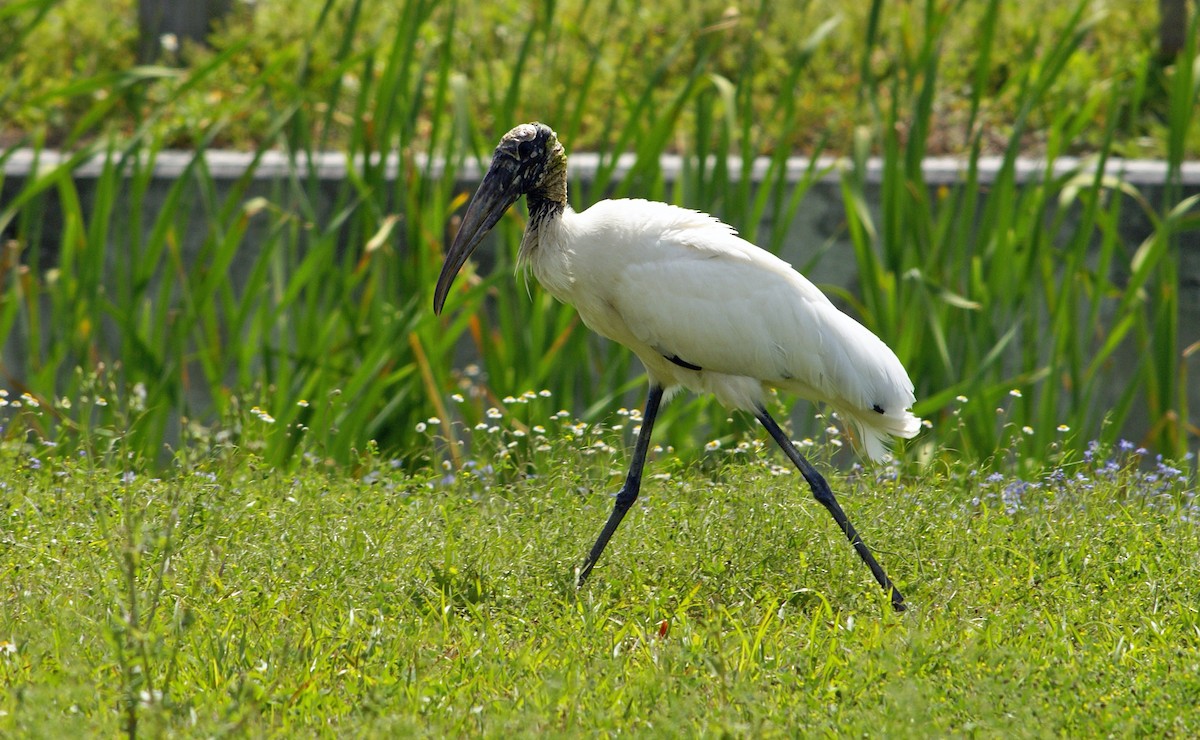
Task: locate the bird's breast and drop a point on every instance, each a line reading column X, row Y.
column 566, row 257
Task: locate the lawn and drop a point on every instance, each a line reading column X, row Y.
column 226, row 597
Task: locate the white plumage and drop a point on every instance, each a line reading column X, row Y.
column 701, row 307
column 669, row 282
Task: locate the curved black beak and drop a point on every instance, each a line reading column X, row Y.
column 499, row 190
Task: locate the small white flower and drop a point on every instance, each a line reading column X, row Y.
column 262, row 415
column 713, row 445
column 494, row 413
column 457, row 397
column 421, row 427
column 1064, row 428
column 7, row 647
column 1015, row 393
column 509, row 399
column 544, row 393
column 1027, row 429
column 961, row 399
column 433, row 421
column 302, row 403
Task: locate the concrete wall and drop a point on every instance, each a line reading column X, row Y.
column 819, row 224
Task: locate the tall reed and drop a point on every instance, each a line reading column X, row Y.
column 1024, row 298
column 291, row 315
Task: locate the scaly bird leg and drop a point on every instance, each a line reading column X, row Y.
column 822, row 493
column 633, row 483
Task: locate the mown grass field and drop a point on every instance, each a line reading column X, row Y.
column 227, row 597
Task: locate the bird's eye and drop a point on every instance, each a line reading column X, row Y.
column 529, row 149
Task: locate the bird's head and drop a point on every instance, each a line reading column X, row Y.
column 529, row 160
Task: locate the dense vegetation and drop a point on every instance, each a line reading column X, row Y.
column 69, row 70
column 307, row 302
column 249, row 484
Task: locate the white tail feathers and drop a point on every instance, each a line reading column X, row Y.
column 875, row 431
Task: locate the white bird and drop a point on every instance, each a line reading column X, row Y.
column 701, row 307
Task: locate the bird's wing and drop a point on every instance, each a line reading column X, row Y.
column 700, row 294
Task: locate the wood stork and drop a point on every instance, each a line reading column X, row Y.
column 702, row 308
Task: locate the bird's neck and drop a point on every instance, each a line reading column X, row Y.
column 543, row 214
column 542, row 210
column 546, row 201
column 548, row 198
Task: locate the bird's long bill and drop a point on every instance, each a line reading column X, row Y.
column 499, row 190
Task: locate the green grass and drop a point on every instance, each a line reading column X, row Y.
column 230, row 597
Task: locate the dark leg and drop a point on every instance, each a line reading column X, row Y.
column 633, row 483
column 822, row 493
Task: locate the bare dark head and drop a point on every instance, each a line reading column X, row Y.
column 528, row 161
column 533, row 154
